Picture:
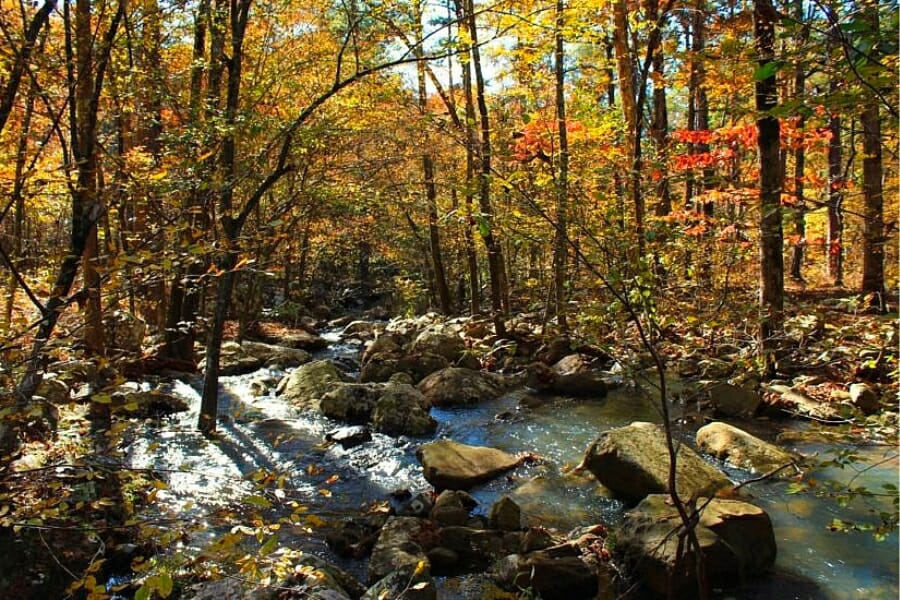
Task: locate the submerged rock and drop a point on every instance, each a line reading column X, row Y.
column 742, row 449
column 735, row 537
column 633, row 462
column 457, row 386
column 450, row 465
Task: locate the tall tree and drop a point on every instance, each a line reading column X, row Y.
column 873, row 193
column 487, row 220
column 771, row 261
column 561, row 237
column 798, row 212
column 434, row 235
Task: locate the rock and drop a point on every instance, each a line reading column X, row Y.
column 406, row 584
column 144, row 404
column 305, row 387
column 450, row 465
column 349, row 437
column 633, row 461
column 234, row 360
column 735, row 537
column 505, row 515
column 398, row 547
column 443, row 560
column 442, row 340
column 351, row 402
column 581, row 384
column 456, row 386
column 321, row 575
column 402, row 410
column 379, row 369
column 124, row 331
column 476, row 549
column 360, row 329
column 421, row 365
column 536, row 538
column 741, row 449
column 385, row 345
column 733, row 401
column 297, row 338
column 797, row 402
column 564, row 578
column 276, row 356
column 53, row 390
column 864, row 398
column 71, row 372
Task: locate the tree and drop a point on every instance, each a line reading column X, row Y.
column 771, row 261
column 873, row 195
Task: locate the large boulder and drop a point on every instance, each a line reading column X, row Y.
column 449, row 465
column 741, row 449
column 398, row 547
column 633, row 461
column 736, row 541
column 305, row 387
column 402, row 410
column 457, row 386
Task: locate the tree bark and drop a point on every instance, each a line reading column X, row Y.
column 561, row 237
column 873, row 193
column 771, row 261
column 799, row 209
column 434, row 234
column 499, row 303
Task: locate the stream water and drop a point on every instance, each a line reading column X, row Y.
column 260, row 433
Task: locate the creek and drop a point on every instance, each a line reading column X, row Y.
column 259, row 433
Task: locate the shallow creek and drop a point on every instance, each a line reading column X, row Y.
column 260, row 432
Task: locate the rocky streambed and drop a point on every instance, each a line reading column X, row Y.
column 404, row 470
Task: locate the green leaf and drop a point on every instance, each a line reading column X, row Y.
column 143, row 593
column 258, row 501
column 164, row 585
column 269, row 546
column 766, row 70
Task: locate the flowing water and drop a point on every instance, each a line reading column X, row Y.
column 260, row 434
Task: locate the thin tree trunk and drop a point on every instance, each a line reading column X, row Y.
column 799, row 209
column 771, row 262
column 434, row 235
column 561, row 237
column 486, row 218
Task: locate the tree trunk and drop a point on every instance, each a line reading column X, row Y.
column 659, row 125
column 873, row 194
column 771, row 262
column 486, row 217
column 184, row 297
column 561, row 237
column 434, row 235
